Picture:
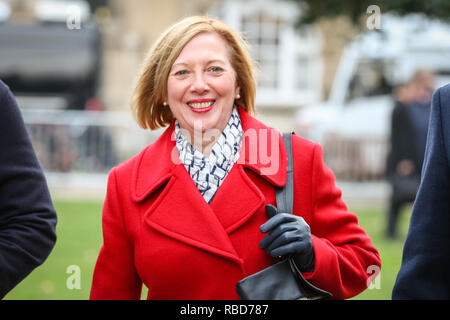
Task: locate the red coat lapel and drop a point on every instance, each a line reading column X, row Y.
column 154, row 165
column 263, row 150
column 181, row 212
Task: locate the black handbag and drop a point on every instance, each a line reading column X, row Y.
column 283, row 280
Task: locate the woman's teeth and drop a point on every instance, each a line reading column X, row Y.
column 201, row 105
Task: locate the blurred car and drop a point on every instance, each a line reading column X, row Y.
column 54, row 62
column 353, row 125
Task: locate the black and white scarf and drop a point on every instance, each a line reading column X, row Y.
column 209, row 173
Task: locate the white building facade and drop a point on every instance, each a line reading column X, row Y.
column 290, row 61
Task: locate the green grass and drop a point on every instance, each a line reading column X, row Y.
column 79, row 241
column 374, row 223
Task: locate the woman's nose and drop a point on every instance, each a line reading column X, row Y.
column 199, row 85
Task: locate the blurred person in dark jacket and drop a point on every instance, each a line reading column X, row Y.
column 424, row 273
column 27, row 216
column 409, row 126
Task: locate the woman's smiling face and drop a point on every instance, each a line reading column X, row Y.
column 202, row 87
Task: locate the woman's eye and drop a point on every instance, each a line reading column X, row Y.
column 215, row 69
column 181, row 73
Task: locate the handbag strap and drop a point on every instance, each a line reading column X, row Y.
column 285, row 202
column 285, row 195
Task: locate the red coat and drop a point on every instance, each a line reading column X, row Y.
column 158, row 229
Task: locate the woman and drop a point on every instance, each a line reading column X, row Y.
column 187, row 216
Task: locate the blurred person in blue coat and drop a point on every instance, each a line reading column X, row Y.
column 424, row 273
column 27, row 215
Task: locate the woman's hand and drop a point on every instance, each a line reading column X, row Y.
column 288, row 235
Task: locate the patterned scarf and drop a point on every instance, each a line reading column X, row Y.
column 209, row 173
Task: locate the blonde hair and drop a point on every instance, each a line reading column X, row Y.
column 151, row 87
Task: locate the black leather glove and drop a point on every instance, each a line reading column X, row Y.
column 288, row 235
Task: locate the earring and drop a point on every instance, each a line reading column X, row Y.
column 164, row 103
column 238, row 96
